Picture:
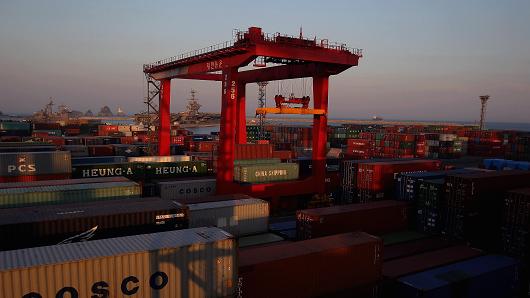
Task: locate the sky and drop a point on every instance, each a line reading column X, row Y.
column 423, row 60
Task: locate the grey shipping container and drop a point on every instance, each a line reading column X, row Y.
column 35, row 163
column 58, row 194
column 238, row 217
column 65, row 223
column 185, row 263
column 267, row 173
column 186, row 189
column 62, row 182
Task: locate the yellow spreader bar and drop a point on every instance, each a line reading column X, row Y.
column 298, row 111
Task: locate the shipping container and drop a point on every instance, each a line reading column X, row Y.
column 185, row 190
column 237, row 217
column 171, row 158
column 412, row 264
column 66, row 223
column 311, row 268
column 475, row 203
column 72, row 193
column 76, row 150
column 97, row 160
column 214, row 198
column 375, row 218
column 177, row 169
column 260, row 239
column 267, row 173
column 17, row 148
column 185, row 263
column 35, row 163
column 253, row 151
column 379, row 176
column 515, row 233
column 414, row 247
column 401, row 237
column 135, row 171
column 487, row 276
column 62, row 182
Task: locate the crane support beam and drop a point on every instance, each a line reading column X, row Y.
column 241, row 120
column 290, row 71
column 164, row 130
column 225, row 159
column 320, row 125
column 204, row 67
column 307, row 54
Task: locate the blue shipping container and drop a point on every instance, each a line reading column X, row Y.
column 492, row 276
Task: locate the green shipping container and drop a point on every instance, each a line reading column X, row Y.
column 250, row 162
column 14, row 125
column 267, row 172
column 131, row 170
column 179, row 169
column 73, row 193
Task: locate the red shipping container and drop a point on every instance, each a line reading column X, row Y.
column 311, row 268
column 263, row 141
column 205, row 146
column 57, row 141
column 253, row 151
column 425, row 261
column 401, row 250
column 105, row 130
column 379, row 176
column 282, row 154
column 177, row 140
column 374, row 217
column 100, row 150
column 72, row 131
column 127, row 140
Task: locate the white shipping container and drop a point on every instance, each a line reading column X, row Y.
column 197, row 262
column 445, row 137
column 186, row 189
column 237, row 217
column 171, row 158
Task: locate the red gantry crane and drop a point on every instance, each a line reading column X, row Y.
column 290, row 57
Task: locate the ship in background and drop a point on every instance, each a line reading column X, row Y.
column 191, row 117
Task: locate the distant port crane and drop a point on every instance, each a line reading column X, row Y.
column 291, row 57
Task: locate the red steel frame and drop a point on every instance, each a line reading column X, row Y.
column 300, row 58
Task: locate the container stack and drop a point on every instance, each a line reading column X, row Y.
column 519, row 149
column 345, row 265
column 375, row 180
column 201, row 261
column 319, row 222
column 516, row 224
column 31, row 166
column 14, row 129
column 48, row 225
column 474, row 205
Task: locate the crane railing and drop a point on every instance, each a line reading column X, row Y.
column 241, row 36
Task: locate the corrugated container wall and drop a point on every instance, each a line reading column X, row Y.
column 186, row 263
column 172, row 158
column 267, row 173
column 35, row 163
column 59, row 194
column 238, row 217
column 186, row 189
column 312, row 268
column 66, row 223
